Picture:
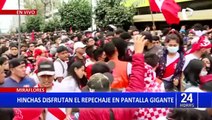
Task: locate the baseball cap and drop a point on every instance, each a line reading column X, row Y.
column 100, row 82
column 78, row 45
column 61, row 49
column 46, row 68
column 41, row 59
column 15, row 62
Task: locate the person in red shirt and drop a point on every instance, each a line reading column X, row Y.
column 136, row 84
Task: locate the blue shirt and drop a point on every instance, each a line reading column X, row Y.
column 25, row 82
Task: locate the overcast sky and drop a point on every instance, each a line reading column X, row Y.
column 5, row 20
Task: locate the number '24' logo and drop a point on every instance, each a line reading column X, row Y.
column 187, row 98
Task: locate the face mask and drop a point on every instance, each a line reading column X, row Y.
column 203, row 73
column 173, row 49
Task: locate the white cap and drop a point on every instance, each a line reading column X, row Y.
column 112, row 26
column 78, row 45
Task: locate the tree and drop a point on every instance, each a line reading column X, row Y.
column 33, row 22
column 77, row 14
column 52, row 25
column 23, row 28
column 113, row 12
column 45, row 3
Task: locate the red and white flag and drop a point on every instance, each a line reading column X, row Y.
column 2, row 2
column 169, row 8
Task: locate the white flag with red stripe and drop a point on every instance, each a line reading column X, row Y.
column 2, row 2
column 169, row 8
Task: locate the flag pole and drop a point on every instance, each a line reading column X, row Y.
column 153, row 21
column 19, row 32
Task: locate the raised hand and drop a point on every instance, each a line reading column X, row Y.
column 139, row 43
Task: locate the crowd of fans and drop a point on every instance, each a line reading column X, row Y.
column 154, row 60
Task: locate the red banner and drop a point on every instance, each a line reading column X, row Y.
column 24, row 89
column 18, row 12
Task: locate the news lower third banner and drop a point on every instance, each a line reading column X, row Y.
column 106, row 100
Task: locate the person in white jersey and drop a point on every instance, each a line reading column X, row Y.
column 45, row 75
column 61, row 63
column 201, row 47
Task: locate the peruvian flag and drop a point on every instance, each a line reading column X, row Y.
column 2, row 2
column 169, row 8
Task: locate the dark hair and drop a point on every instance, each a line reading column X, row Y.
column 100, row 36
column 193, row 70
column 125, row 36
column 13, row 44
column 3, row 49
column 3, row 60
column 207, row 86
column 23, row 45
column 55, row 37
column 109, row 34
column 205, row 27
column 85, row 40
column 109, row 49
column 97, row 53
column 100, row 67
column 151, row 59
column 121, row 46
column 165, row 31
column 147, row 35
column 155, row 38
column 174, row 35
column 61, row 49
column 71, row 72
column 189, row 114
column 210, row 59
column 197, row 26
column 119, row 31
column 73, row 36
column 89, row 51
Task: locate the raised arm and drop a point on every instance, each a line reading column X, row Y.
column 136, row 82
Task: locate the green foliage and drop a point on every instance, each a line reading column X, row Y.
column 76, row 13
column 34, row 23
column 113, row 12
column 23, row 28
column 51, row 25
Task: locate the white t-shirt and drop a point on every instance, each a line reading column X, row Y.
column 61, row 68
column 69, row 85
column 49, row 116
column 200, row 33
column 188, row 58
column 55, row 88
